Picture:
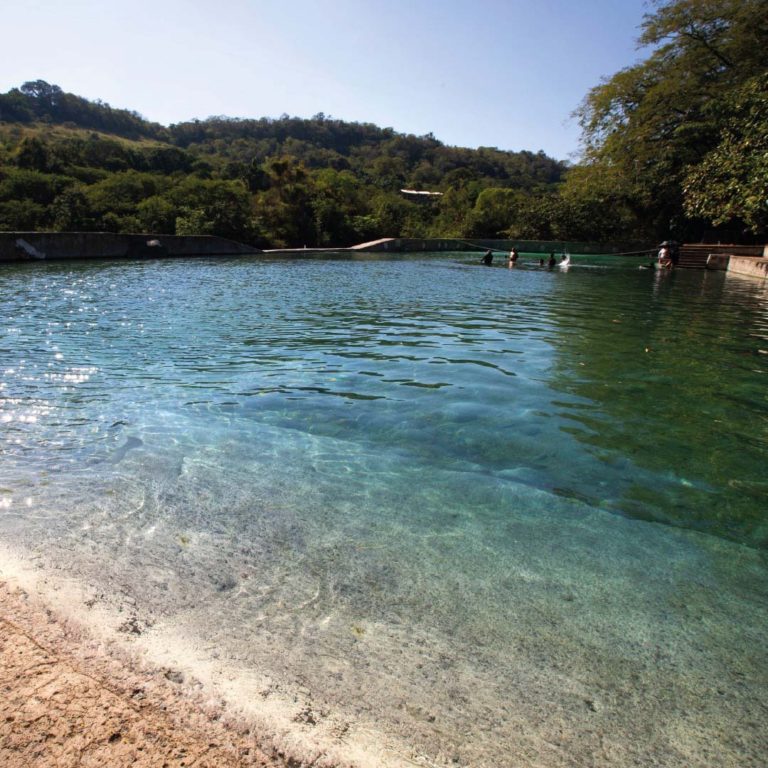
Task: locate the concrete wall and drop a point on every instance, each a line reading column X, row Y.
column 718, row 261
column 36, row 246
column 398, row 244
column 749, row 265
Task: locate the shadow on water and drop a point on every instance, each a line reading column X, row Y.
column 672, row 369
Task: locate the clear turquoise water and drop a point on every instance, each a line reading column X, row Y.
column 472, row 506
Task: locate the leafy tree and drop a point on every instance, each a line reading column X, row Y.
column 256, row 178
column 33, row 154
column 22, row 215
column 193, row 221
column 168, row 160
column 538, row 218
column 730, row 185
column 387, row 172
column 113, row 222
column 454, row 210
column 46, row 96
column 71, row 211
column 493, row 212
column 15, row 107
column 99, row 152
column 389, row 213
column 334, row 201
column 213, row 206
column 658, row 120
column 598, row 203
column 157, row 214
column 36, row 186
column 284, row 210
column 417, row 222
column 121, row 193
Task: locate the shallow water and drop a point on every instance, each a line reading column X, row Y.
column 500, row 517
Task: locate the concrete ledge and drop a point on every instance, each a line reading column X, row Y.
column 718, row 261
column 52, row 246
column 753, row 266
column 415, row 244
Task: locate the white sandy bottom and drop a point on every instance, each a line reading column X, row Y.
column 460, row 621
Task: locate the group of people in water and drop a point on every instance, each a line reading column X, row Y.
column 512, row 260
column 665, row 260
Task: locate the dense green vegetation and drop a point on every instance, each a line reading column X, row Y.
column 69, row 164
column 676, row 145
column 682, row 137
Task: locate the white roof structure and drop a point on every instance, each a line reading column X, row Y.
column 421, row 193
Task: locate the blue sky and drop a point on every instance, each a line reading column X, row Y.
column 496, row 73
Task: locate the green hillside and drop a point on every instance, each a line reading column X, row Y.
column 70, row 164
column 675, row 146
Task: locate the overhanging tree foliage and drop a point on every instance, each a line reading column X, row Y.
column 659, row 121
column 731, row 183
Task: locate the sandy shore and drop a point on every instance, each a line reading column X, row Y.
column 82, row 683
column 68, row 701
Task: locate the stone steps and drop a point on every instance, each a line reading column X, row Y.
column 695, row 255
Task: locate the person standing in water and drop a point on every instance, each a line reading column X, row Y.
column 513, row 257
column 552, row 260
column 665, row 256
column 488, row 258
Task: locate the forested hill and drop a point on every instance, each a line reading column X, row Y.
column 69, row 163
column 38, row 101
column 675, row 146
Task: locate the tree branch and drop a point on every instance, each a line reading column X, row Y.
column 698, row 37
